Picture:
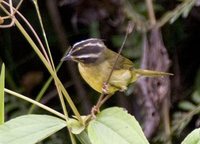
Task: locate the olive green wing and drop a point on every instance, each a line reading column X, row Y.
column 120, row 79
column 122, row 62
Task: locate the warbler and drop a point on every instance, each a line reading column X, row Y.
column 96, row 61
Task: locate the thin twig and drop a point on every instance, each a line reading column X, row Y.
column 34, row 102
column 44, row 34
column 151, row 13
column 104, row 96
column 62, row 40
column 172, row 15
column 128, row 31
column 12, row 13
column 32, row 30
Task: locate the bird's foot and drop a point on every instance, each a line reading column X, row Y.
column 105, row 88
column 94, row 111
column 123, row 88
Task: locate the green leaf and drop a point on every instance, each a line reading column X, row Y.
column 182, row 9
column 83, row 137
column 193, row 137
column 29, row 129
column 115, row 126
column 186, row 105
column 196, row 97
column 75, row 126
column 2, row 83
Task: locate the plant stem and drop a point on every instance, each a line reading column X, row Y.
column 44, row 34
column 49, row 68
column 104, row 96
column 46, row 62
column 152, row 18
column 2, row 84
column 34, row 102
column 44, row 88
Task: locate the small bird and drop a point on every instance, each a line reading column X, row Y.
column 96, row 61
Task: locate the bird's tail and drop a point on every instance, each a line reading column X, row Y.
column 150, row 73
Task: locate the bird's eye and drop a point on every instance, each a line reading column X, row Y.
column 87, row 60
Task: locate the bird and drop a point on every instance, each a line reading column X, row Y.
column 96, row 61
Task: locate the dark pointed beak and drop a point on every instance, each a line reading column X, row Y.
column 66, row 58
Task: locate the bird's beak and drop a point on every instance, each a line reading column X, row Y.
column 66, row 58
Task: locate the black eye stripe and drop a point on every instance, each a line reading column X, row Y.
column 87, row 60
column 87, row 51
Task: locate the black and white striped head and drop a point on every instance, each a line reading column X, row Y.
column 87, row 51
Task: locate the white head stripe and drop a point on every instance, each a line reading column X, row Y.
column 84, row 41
column 88, row 44
column 94, row 44
column 87, row 56
column 76, row 49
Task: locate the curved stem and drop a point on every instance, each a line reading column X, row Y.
column 34, row 102
column 44, row 33
column 30, row 27
column 104, row 96
column 151, row 13
column 49, row 68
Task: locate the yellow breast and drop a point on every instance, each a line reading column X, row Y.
column 97, row 75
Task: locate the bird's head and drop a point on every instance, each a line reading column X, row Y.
column 87, row 51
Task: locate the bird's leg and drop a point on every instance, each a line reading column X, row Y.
column 95, row 108
column 105, row 88
column 94, row 111
column 106, row 97
column 101, row 100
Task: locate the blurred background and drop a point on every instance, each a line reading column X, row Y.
column 158, row 104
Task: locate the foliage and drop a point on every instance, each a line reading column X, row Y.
column 114, row 125
column 29, row 129
column 189, row 108
column 193, row 137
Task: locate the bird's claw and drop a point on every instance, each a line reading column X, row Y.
column 94, row 111
column 105, row 88
column 123, row 88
